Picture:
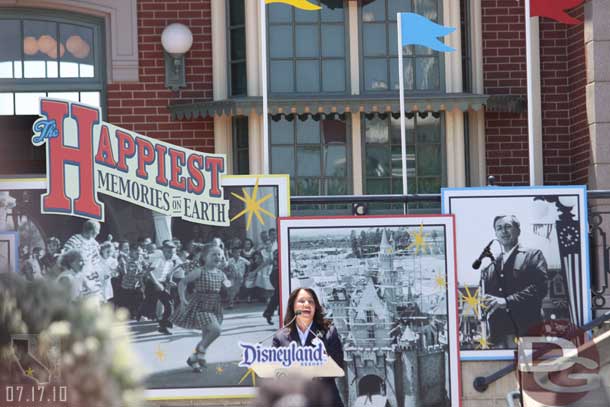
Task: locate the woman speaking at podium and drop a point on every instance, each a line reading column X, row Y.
column 304, row 323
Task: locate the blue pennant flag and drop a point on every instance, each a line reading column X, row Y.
column 418, row 30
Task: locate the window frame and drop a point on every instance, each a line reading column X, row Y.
column 230, row 61
column 36, row 85
column 389, row 56
column 371, row 333
column 348, row 156
column 443, row 143
column 320, row 57
column 46, row 85
column 236, row 149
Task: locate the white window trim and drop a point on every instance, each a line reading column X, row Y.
column 455, row 144
column 121, row 20
column 476, row 120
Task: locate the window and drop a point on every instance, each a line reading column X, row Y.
column 237, row 48
column 307, row 50
column 379, row 48
column 371, row 332
column 314, row 153
column 383, row 165
column 44, row 54
column 370, row 316
column 241, row 159
column 466, row 45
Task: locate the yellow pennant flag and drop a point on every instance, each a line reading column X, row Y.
column 302, row 4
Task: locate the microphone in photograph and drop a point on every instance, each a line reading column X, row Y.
column 296, row 314
column 485, row 253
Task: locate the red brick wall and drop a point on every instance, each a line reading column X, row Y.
column 504, row 74
column 564, row 130
column 142, row 106
column 555, row 103
column 580, row 144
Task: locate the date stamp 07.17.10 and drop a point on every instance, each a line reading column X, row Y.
column 34, row 377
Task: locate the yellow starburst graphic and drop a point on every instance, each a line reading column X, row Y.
column 219, row 370
column 253, row 205
column 441, row 281
column 159, row 353
column 473, row 301
column 420, row 240
column 29, row 372
column 249, row 372
column 483, row 343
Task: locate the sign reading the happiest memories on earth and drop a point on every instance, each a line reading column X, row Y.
column 86, row 156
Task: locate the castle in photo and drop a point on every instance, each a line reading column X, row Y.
column 392, row 316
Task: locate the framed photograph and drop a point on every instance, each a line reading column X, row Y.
column 388, row 284
column 136, row 239
column 522, row 264
column 9, row 242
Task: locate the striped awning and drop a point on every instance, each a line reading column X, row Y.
column 325, row 105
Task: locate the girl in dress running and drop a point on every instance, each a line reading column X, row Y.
column 203, row 310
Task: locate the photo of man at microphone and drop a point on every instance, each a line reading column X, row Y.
column 522, row 264
column 513, row 285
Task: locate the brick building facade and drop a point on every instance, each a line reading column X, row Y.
column 563, row 80
column 141, row 105
column 573, row 83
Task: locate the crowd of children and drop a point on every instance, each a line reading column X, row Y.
column 139, row 275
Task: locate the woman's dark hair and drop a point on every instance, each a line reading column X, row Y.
column 318, row 317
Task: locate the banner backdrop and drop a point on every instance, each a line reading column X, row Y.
column 86, row 156
column 388, row 284
column 134, row 235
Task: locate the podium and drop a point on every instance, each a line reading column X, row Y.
column 306, row 362
column 275, row 370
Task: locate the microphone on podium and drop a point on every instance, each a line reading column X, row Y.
column 485, row 253
column 296, row 314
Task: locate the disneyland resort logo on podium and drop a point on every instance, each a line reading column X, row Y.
column 286, row 355
column 86, row 156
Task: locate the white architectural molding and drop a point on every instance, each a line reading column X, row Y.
column 597, row 42
column 454, row 136
column 252, row 49
column 121, row 17
column 219, row 50
column 223, row 139
column 357, row 154
column 453, row 60
column 477, row 151
column 255, row 143
column 536, row 103
column 476, row 120
column 454, row 120
column 354, row 50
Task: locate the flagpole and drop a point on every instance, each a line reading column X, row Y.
column 530, row 93
column 401, row 90
column 263, row 35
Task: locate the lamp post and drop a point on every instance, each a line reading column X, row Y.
column 177, row 40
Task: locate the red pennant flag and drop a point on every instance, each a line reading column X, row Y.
column 555, row 10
